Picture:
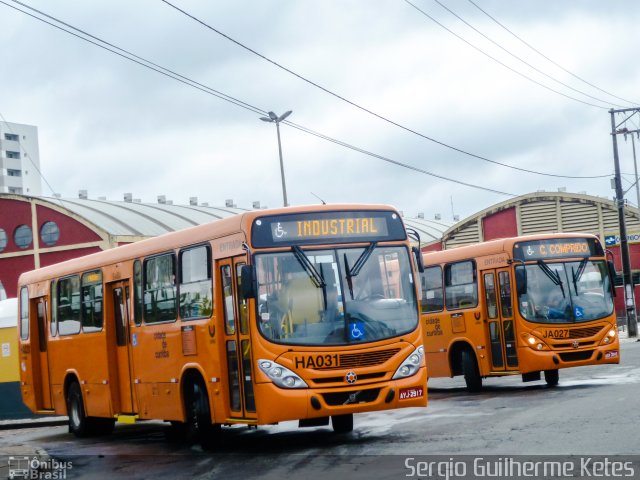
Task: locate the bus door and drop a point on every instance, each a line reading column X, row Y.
column 118, row 318
column 237, row 339
column 500, row 320
column 41, row 364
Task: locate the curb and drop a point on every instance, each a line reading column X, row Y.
column 32, row 423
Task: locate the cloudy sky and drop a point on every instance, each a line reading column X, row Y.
column 416, row 71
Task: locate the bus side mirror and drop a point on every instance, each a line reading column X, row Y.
column 247, row 281
column 419, row 261
column 521, row 281
column 612, row 276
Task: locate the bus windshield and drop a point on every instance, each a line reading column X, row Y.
column 565, row 292
column 317, row 297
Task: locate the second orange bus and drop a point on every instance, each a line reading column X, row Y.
column 518, row 306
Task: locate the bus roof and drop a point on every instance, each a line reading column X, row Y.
column 492, row 247
column 168, row 241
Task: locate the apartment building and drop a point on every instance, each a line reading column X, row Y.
column 19, row 159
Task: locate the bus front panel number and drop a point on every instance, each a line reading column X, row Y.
column 318, row 361
column 558, row 333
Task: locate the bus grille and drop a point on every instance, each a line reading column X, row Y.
column 346, row 398
column 576, row 356
column 570, row 345
column 368, row 359
column 365, row 376
column 584, row 332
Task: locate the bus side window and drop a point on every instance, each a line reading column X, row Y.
column 432, row 299
column 227, row 292
column 196, row 289
column 243, row 303
column 490, row 295
column 24, row 313
column 160, row 289
column 461, row 288
column 92, row 301
column 137, row 292
column 69, row 305
column 505, row 294
column 54, row 309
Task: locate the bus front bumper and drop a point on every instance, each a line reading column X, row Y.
column 278, row 404
column 531, row 360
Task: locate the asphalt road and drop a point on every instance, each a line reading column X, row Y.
column 593, row 411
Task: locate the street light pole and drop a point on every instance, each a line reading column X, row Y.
column 273, row 118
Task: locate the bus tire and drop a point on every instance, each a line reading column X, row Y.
column 78, row 422
column 197, row 427
column 552, row 377
column 470, row 371
column 342, row 423
column 81, row 425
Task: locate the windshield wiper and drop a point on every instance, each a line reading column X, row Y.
column 362, row 259
column 315, row 277
column 553, row 276
column 348, row 274
column 577, row 275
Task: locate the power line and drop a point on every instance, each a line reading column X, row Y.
column 547, row 58
column 395, row 162
column 192, row 83
column 498, row 61
column 520, row 59
column 377, row 115
column 134, row 58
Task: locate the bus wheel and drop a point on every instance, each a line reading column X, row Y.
column 78, row 424
column 197, row 427
column 342, row 423
column 471, row 372
column 551, row 377
column 81, row 425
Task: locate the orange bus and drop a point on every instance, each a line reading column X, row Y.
column 521, row 305
column 308, row 314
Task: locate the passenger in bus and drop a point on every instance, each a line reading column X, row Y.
column 297, row 303
column 557, row 305
column 550, row 304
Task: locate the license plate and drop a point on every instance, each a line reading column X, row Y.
column 411, row 392
column 611, row 354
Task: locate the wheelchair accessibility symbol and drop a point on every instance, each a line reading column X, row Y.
column 356, row 330
column 279, row 232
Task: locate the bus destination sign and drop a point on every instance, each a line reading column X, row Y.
column 556, row 248
column 327, row 227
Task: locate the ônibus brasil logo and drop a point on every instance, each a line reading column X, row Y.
column 38, row 468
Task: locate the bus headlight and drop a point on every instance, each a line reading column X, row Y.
column 609, row 337
column 411, row 364
column 281, row 376
column 534, row 342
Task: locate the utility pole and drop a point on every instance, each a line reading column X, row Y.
column 629, row 293
column 635, row 168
